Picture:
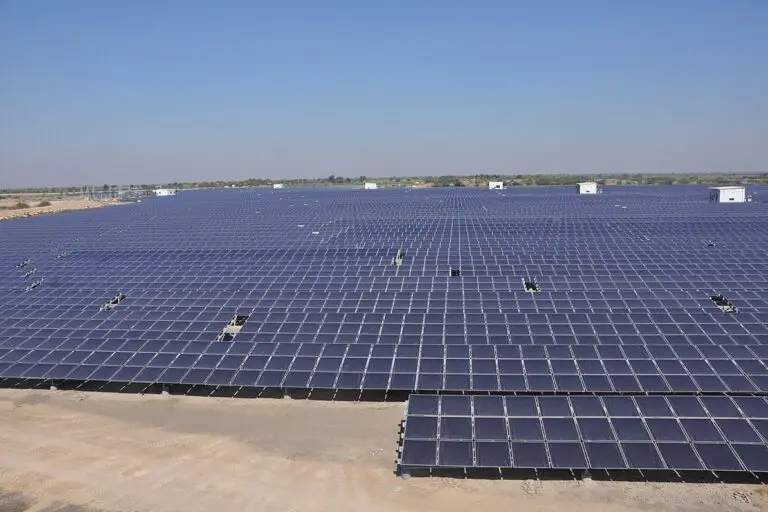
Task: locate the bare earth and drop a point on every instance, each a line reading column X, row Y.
column 56, row 207
column 77, row 452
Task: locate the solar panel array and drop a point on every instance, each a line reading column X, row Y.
column 300, row 289
column 680, row 432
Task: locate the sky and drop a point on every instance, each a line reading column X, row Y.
column 147, row 91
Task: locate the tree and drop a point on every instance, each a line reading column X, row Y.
column 331, row 178
column 105, row 188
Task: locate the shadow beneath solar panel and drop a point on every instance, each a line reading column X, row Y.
column 14, row 383
column 625, row 475
column 383, row 396
column 338, row 395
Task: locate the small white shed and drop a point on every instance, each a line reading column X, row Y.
column 727, row 194
column 371, row 186
column 588, row 187
column 161, row 192
column 495, row 185
column 277, row 185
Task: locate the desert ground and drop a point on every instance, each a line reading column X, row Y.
column 72, row 451
column 7, row 210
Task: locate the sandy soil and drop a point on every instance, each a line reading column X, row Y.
column 86, row 452
column 56, row 207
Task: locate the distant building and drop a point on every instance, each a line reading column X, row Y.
column 370, row 186
column 160, row 192
column 277, row 185
column 727, row 194
column 587, row 187
column 495, row 185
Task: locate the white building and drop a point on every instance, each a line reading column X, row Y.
column 370, row 186
column 495, row 185
column 165, row 192
column 588, row 187
column 277, row 185
column 727, row 194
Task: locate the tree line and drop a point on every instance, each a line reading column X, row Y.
column 478, row 180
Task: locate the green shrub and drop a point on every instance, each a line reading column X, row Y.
column 20, row 206
column 44, row 203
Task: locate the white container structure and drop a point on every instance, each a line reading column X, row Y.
column 277, row 185
column 495, row 185
column 727, row 194
column 588, row 187
column 370, row 186
column 162, row 192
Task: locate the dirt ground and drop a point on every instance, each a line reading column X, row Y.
column 56, row 206
column 69, row 451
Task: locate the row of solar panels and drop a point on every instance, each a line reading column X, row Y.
column 653, row 262
column 295, row 228
column 649, row 322
column 415, row 306
column 319, row 270
column 370, row 239
column 473, row 269
column 230, row 291
column 626, row 239
column 210, row 309
column 155, row 320
column 324, row 245
column 373, row 291
column 625, row 242
column 359, row 381
column 639, row 406
column 202, row 321
column 361, row 373
column 740, row 353
column 279, row 313
column 419, row 278
column 355, row 279
column 232, row 296
column 495, row 230
column 356, row 284
column 702, row 249
column 84, row 309
column 753, row 283
column 682, row 433
column 341, row 242
column 12, row 336
column 613, row 257
column 519, row 367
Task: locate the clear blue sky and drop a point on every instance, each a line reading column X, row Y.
column 149, row 91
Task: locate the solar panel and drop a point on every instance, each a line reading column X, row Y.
column 681, row 433
column 410, row 367
column 622, row 305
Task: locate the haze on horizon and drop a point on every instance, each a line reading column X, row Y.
column 143, row 91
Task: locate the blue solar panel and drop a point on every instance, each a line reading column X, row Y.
column 714, row 433
column 624, row 301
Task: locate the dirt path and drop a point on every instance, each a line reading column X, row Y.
column 78, row 452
